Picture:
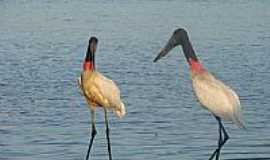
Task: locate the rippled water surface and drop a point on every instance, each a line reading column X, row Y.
column 42, row 44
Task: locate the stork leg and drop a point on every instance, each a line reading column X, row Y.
column 93, row 134
column 221, row 140
column 107, row 134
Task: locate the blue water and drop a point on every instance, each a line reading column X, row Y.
column 42, row 45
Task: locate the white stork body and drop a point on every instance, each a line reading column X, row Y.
column 101, row 91
column 216, row 97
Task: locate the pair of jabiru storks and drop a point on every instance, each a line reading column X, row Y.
column 212, row 94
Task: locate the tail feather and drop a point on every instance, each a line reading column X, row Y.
column 238, row 118
column 120, row 111
column 237, row 112
column 239, row 122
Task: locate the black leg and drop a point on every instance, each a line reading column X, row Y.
column 221, row 140
column 214, row 154
column 93, row 134
column 226, row 136
column 108, row 134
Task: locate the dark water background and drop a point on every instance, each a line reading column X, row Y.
column 42, row 44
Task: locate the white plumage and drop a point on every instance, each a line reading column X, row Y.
column 216, row 97
column 101, row 91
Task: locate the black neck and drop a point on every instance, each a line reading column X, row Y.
column 90, row 57
column 188, row 49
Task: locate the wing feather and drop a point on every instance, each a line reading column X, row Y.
column 218, row 98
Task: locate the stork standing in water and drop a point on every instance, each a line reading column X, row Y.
column 212, row 94
column 99, row 91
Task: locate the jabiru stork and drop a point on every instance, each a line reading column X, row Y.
column 213, row 95
column 99, row 91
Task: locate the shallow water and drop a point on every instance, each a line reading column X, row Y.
column 42, row 44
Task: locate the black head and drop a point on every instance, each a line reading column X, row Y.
column 179, row 37
column 93, row 41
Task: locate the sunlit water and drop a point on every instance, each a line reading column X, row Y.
column 42, row 44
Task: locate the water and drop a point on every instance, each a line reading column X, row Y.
column 42, row 44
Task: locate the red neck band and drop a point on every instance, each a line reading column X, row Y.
column 195, row 66
column 88, row 66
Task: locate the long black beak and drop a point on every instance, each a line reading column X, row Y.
column 168, row 47
column 161, row 54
